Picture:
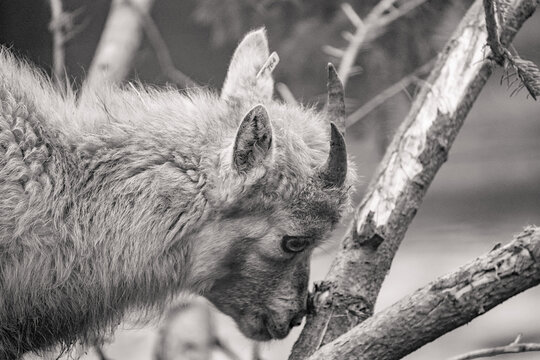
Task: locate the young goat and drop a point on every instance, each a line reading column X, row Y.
column 124, row 197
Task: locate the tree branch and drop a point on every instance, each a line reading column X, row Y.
column 348, row 294
column 492, row 32
column 286, row 93
column 119, row 42
column 447, row 303
column 513, row 348
column 121, row 39
column 162, row 52
column 526, row 70
column 56, row 26
column 389, row 92
column 379, row 17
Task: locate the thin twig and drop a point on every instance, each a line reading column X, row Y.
column 388, row 93
column 162, row 52
column 349, row 55
column 513, row 348
column 72, row 29
column 396, row 13
column 333, row 51
column 379, row 17
column 518, row 338
column 354, row 18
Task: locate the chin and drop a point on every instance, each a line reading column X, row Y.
column 262, row 335
column 257, row 329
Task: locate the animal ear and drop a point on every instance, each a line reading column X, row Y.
column 250, row 72
column 253, row 142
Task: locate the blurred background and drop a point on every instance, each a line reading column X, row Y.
column 487, row 191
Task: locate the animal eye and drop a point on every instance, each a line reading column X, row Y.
column 293, row 244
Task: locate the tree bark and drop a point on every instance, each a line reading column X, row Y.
column 515, row 347
column 120, row 40
column 348, row 294
column 445, row 304
column 57, row 29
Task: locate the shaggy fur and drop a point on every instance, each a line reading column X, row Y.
column 123, row 197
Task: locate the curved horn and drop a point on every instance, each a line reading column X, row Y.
column 335, row 170
column 336, row 99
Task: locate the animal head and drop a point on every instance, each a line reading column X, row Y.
column 281, row 186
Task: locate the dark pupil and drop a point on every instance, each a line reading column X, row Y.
column 293, row 244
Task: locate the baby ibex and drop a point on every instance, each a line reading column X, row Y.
column 122, row 198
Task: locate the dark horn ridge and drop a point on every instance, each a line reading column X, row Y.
column 334, row 171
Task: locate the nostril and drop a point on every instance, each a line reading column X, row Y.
column 297, row 320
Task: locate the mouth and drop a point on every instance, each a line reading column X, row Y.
column 257, row 330
column 260, row 335
column 275, row 331
column 263, row 329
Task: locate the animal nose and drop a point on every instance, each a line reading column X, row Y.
column 297, row 319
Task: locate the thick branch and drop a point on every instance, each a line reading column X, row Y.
column 447, row 303
column 418, row 150
column 119, row 42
